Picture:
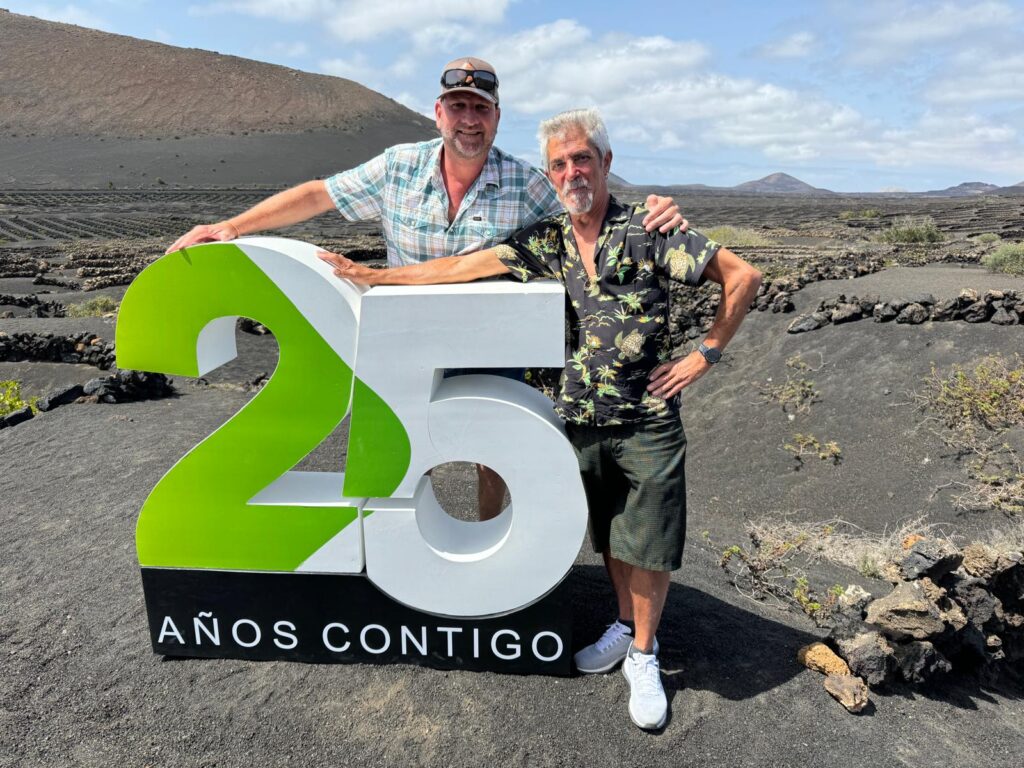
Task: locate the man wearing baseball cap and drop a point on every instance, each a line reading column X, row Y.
column 448, row 196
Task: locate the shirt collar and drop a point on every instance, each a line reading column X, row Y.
column 490, row 174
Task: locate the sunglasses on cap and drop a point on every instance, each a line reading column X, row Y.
column 470, row 78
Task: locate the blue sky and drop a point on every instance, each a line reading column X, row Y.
column 852, row 96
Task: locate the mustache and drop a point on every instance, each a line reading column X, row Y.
column 577, row 183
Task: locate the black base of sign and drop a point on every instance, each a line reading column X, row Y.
column 325, row 618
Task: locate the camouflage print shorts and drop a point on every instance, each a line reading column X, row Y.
column 635, row 480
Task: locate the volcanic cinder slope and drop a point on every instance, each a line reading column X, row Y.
column 81, row 108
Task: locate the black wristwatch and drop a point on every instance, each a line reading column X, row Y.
column 711, row 354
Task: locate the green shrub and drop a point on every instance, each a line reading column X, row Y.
column 909, row 229
column 733, row 237
column 94, row 307
column 1007, row 258
column 11, row 400
column 986, row 238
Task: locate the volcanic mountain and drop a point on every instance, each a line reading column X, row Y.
column 780, row 183
column 83, row 108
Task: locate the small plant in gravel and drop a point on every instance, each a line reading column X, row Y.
column 986, row 238
column 910, row 229
column 797, row 394
column 736, row 237
column 97, row 306
column 11, row 399
column 808, row 445
column 770, row 567
column 975, row 408
column 1008, row 258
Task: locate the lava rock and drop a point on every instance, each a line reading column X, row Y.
column 845, row 313
column 1004, row 316
column 804, row 323
column 854, row 599
column 847, row 690
column 966, row 297
column 906, row 613
column 62, row 396
column 979, row 605
column 924, row 299
column 884, row 312
column 821, row 658
column 16, row 417
column 912, row 314
column 978, row 312
column 869, row 656
column 930, row 557
column 945, row 310
column 980, row 560
column 918, row 660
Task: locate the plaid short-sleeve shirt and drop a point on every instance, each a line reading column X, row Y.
column 619, row 319
column 404, row 188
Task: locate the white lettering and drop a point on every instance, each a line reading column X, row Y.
column 450, row 631
column 420, row 646
column 508, row 656
column 168, row 628
column 384, row 632
column 327, row 642
column 279, row 629
column 476, row 642
column 256, row 632
column 198, row 625
column 558, row 645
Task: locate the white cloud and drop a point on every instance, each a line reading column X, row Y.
column 70, row 14
column 895, row 30
column 980, row 76
column 796, row 46
column 355, row 21
column 559, row 66
column 659, row 96
column 358, row 21
column 283, row 10
column 441, row 36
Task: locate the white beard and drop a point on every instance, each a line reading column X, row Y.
column 577, row 197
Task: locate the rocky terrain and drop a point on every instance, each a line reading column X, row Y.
column 792, row 429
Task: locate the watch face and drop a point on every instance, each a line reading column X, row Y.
column 711, row 354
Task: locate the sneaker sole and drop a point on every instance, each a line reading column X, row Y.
column 599, row 670
column 643, row 727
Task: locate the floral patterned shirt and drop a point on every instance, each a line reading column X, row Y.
column 619, row 320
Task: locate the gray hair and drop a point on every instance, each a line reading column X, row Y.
column 587, row 120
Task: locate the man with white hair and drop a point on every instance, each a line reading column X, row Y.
column 452, row 195
column 618, row 390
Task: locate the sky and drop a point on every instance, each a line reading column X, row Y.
column 867, row 96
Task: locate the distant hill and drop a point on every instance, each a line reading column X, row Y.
column 781, row 183
column 79, row 107
column 773, row 184
column 967, row 189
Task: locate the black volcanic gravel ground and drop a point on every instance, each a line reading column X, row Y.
column 80, row 686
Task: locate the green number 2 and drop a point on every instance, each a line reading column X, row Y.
column 198, row 515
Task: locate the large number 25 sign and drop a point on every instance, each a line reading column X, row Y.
column 234, row 503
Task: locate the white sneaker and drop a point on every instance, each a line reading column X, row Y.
column 608, row 651
column 648, row 707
